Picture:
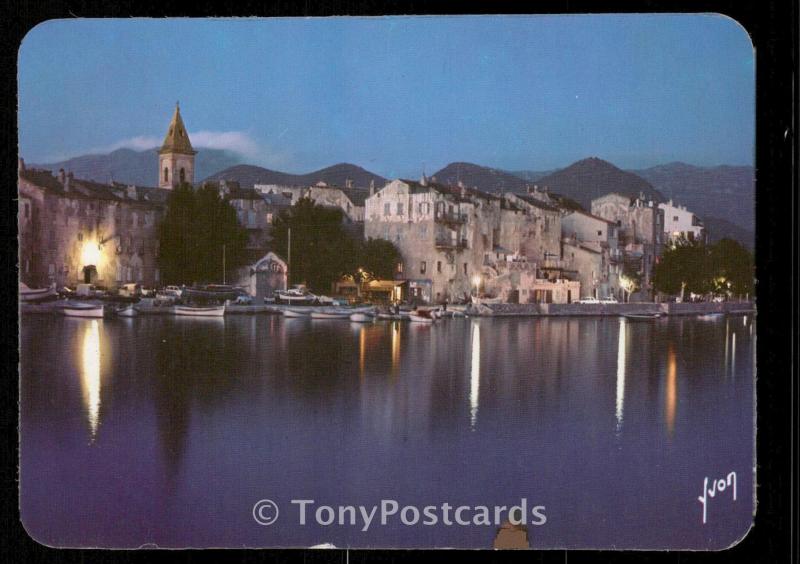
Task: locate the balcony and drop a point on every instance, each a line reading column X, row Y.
column 450, row 244
column 450, row 217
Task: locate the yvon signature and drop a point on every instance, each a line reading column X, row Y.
column 716, row 487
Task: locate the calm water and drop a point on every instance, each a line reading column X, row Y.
column 167, row 430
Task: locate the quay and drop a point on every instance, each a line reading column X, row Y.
column 576, row 309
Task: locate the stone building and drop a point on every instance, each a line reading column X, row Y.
column 458, row 242
column 641, row 231
column 74, row 230
column 590, row 249
column 176, row 156
column 349, row 200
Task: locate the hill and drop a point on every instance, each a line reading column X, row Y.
column 248, row 175
column 719, row 191
column 591, row 178
column 481, row 177
column 719, row 228
column 137, row 167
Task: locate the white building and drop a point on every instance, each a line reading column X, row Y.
column 680, row 223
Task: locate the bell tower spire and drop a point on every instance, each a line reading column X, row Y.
column 176, row 156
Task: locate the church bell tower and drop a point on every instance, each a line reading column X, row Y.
column 176, row 156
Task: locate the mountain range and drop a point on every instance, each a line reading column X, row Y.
column 137, row 167
column 723, row 196
column 336, row 175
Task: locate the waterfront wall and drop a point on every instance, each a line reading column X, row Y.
column 576, row 309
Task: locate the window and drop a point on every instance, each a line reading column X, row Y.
column 387, row 209
column 674, row 218
column 135, row 219
column 399, row 208
column 465, row 268
column 423, row 267
column 439, row 266
column 166, row 174
column 269, row 218
column 183, row 175
column 80, row 236
column 156, row 275
column 599, row 233
column 400, row 267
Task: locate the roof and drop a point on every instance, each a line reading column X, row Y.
column 458, row 192
column 597, row 217
column 536, row 202
column 177, row 139
column 90, row 190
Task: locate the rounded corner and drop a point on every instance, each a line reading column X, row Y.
column 739, row 539
column 34, row 537
column 35, row 28
column 738, row 24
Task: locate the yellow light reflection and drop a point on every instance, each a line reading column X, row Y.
column 475, row 375
column 90, row 375
column 362, row 351
column 672, row 390
column 395, row 347
column 621, row 348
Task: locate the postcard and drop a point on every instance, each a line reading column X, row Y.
column 474, row 282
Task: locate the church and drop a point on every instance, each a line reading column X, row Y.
column 73, row 230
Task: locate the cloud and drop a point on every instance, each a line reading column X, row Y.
column 234, row 141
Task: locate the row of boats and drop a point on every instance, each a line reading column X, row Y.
column 356, row 314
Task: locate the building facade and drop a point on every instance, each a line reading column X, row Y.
column 680, row 223
column 641, row 232
column 458, row 242
column 74, row 231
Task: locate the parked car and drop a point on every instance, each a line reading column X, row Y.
column 609, row 300
column 589, row 300
column 131, row 290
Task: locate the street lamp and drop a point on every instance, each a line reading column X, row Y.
column 476, row 280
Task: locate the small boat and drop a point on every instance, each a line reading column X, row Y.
column 129, row 311
column 200, row 311
column 710, row 316
column 83, row 310
column 331, row 314
column 422, row 316
column 361, row 317
column 296, row 312
column 391, row 316
column 641, row 316
column 28, row 295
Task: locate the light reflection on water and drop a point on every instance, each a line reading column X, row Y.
column 189, row 414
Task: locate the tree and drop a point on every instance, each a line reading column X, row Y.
column 198, row 227
column 321, row 250
column 732, row 265
column 378, row 258
column 684, row 267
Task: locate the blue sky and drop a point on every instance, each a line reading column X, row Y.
column 396, row 94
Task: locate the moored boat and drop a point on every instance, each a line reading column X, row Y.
column 331, row 314
column 83, row 310
column 641, row 316
column 391, row 316
column 29, row 295
column 129, row 311
column 296, row 312
column 200, row 311
column 361, row 317
column 422, row 316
